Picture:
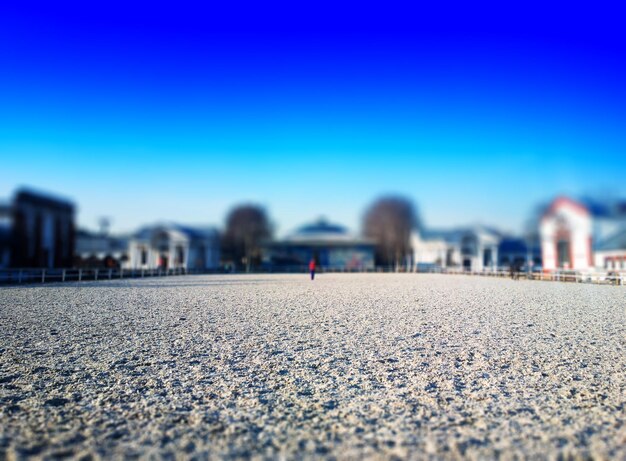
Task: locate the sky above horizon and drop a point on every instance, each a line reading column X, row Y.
column 178, row 114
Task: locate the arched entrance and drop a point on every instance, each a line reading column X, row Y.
column 161, row 242
column 563, row 246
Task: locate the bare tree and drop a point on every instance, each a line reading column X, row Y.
column 246, row 227
column 389, row 221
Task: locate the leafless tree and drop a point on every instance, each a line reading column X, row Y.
column 389, row 221
column 246, row 227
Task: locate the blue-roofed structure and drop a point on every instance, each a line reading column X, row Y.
column 333, row 247
column 517, row 252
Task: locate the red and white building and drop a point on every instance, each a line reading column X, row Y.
column 582, row 236
column 566, row 232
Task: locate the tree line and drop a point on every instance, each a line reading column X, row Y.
column 388, row 221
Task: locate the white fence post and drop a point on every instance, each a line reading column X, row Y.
column 80, row 274
column 63, row 276
column 43, row 275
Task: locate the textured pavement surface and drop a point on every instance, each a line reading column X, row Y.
column 267, row 366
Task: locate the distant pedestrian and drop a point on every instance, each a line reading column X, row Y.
column 312, row 268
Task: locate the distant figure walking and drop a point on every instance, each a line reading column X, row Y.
column 312, row 268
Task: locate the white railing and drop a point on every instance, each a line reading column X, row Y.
column 39, row 275
column 597, row 277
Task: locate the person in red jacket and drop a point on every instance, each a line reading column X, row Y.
column 312, row 268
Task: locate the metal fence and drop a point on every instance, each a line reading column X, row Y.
column 38, row 275
column 596, row 277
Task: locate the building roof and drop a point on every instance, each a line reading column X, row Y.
column 519, row 245
column 91, row 242
column 568, row 202
column 615, row 242
column 44, row 199
column 322, row 232
column 321, row 227
column 456, row 235
column 197, row 232
column 609, row 208
column 599, row 209
column 190, row 232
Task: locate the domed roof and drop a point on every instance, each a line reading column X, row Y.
column 321, row 226
column 323, row 232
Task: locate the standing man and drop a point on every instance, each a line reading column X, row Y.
column 312, row 268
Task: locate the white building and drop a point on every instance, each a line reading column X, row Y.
column 172, row 246
column 479, row 249
column 433, row 250
column 473, row 249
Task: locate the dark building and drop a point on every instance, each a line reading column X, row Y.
column 39, row 229
column 5, row 235
column 518, row 253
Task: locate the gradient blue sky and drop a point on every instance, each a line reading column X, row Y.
column 477, row 114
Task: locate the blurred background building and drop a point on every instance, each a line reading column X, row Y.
column 611, row 253
column 477, row 119
column 474, row 248
column 331, row 245
column 174, row 246
column 433, row 249
column 5, row 235
column 519, row 253
column 99, row 249
column 582, row 234
column 37, row 230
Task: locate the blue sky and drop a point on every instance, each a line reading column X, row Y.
column 141, row 113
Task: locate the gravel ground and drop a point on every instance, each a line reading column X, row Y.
column 271, row 366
